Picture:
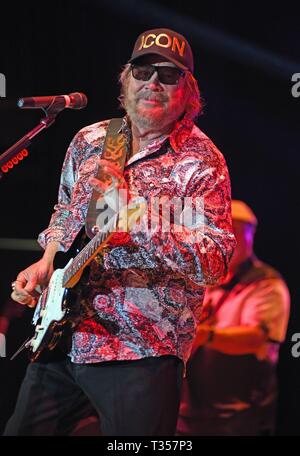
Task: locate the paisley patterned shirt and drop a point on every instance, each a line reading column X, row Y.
column 143, row 298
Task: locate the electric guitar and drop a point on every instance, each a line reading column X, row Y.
column 53, row 311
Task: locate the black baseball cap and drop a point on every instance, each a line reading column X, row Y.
column 166, row 43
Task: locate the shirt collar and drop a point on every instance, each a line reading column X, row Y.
column 176, row 138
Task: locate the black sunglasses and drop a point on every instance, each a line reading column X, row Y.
column 166, row 74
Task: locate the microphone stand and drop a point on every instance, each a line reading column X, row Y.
column 25, row 141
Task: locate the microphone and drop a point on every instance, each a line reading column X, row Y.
column 74, row 100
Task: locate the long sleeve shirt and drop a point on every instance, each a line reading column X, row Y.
column 144, row 298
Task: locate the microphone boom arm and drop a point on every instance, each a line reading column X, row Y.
column 26, row 140
column 51, row 112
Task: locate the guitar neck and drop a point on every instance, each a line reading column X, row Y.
column 73, row 273
column 124, row 220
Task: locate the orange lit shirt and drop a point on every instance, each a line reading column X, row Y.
column 261, row 298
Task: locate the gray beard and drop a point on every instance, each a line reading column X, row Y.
column 157, row 120
column 142, row 119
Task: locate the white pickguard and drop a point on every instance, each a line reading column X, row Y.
column 49, row 310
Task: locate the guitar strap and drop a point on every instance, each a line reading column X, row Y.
column 114, row 151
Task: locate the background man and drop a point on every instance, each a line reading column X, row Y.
column 231, row 384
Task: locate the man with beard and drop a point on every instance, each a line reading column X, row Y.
column 140, row 305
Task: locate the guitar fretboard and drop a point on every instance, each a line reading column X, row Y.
column 83, row 257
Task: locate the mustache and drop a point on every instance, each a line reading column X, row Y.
column 152, row 96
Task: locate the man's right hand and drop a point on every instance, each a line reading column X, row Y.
column 30, row 282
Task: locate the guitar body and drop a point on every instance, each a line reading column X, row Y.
column 50, row 316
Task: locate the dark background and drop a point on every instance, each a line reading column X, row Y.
column 245, row 55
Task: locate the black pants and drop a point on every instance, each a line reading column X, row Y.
column 130, row 397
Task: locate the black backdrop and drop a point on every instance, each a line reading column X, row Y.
column 250, row 114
